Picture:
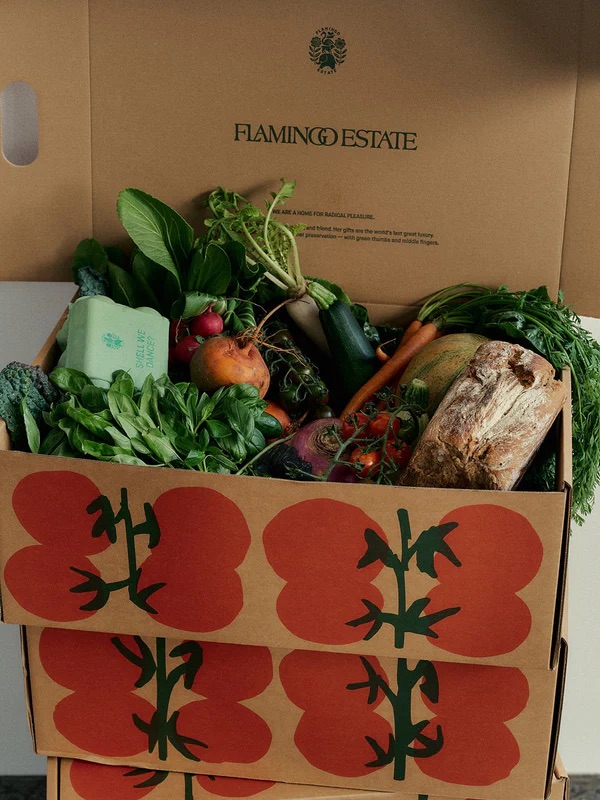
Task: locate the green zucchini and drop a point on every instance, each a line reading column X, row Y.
column 269, row 426
column 353, row 355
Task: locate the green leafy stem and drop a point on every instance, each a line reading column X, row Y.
column 106, row 525
column 161, row 728
column 407, row 619
column 401, row 744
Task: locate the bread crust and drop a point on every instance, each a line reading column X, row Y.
column 490, row 423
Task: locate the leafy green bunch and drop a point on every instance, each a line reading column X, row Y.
column 170, row 269
column 163, row 424
column 270, row 244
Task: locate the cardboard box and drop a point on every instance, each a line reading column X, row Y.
column 251, row 561
column 80, row 780
column 465, row 178
column 326, row 719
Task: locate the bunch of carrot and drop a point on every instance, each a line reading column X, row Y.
column 415, row 337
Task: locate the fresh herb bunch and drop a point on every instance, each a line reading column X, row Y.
column 164, row 424
column 532, row 319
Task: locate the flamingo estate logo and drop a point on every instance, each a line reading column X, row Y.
column 327, row 50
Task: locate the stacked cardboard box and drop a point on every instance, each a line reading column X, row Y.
column 362, row 638
column 83, row 780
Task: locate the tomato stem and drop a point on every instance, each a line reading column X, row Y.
column 189, row 786
column 163, row 696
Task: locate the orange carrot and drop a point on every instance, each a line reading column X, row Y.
column 392, row 368
column 414, row 326
column 381, row 355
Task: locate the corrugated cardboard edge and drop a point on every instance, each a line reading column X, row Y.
column 560, row 774
column 565, row 484
column 559, row 695
column 27, row 685
column 53, row 779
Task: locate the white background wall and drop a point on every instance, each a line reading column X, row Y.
column 28, row 314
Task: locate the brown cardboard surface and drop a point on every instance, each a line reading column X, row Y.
column 298, row 716
column 469, row 116
column 282, row 564
column 45, row 208
column 79, row 780
column 580, row 274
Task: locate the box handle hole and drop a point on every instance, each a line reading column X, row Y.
column 19, row 118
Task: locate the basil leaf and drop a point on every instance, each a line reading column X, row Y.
column 120, row 403
column 239, row 417
column 217, row 429
column 102, row 451
column 131, row 461
column 89, row 253
column 31, row 428
column 53, row 440
column 160, row 446
column 119, row 438
column 70, row 380
column 124, row 288
column 123, row 382
column 159, row 231
column 94, row 398
column 91, row 422
column 256, row 443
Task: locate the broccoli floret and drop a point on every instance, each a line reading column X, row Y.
column 18, row 381
column 91, row 282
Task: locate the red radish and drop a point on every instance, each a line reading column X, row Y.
column 185, row 349
column 206, row 324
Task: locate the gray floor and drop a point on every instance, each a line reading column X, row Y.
column 583, row 787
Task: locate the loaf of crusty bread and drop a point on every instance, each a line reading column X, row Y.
column 490, row 423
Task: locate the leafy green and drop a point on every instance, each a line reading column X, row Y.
column 163, row 424
column 159, row 231
column 533, row 319
column 268, row 242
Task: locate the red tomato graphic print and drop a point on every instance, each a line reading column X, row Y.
column 204, row 537
column 500, row 553
column 315, row 546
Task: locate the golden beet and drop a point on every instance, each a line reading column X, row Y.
column 224, row 361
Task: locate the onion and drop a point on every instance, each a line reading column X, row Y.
column 310, row 450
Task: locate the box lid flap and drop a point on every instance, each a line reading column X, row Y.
column 45, row 208
column 581, row 254
column 429, row 147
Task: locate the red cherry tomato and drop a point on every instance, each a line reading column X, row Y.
column 351, row 425
column 381, row 425
column 369, row 461
column 399, row 453
column 207, row 324
column 185, row 349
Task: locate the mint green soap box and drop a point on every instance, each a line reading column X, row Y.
column 101, row 336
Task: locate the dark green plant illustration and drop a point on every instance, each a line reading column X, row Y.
column 155, row 777
column 161, row 729
column 106, row 525
column 402, row 744
column 412, row 619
